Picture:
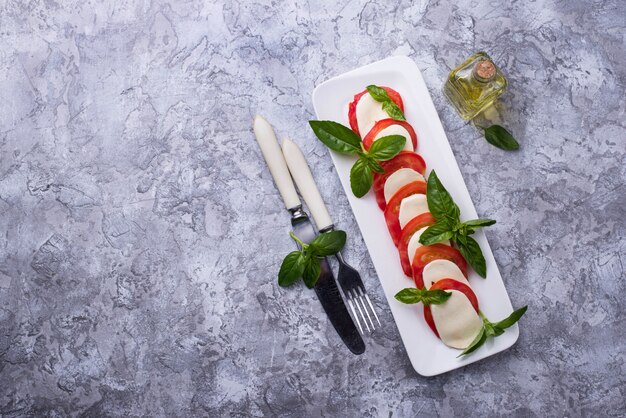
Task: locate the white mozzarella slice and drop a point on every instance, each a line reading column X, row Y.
column 412, row 206
column 397, row 130
column 399, row 179
column 442, row 269
column 414, row 244
column 456, row 320
column 368, row 112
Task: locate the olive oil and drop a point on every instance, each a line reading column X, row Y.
column 474, row 85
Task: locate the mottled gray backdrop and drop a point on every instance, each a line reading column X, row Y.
column 141, row 232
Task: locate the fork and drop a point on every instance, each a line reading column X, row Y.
column 352, row 286
column 349, row 279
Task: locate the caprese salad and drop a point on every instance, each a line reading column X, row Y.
column 435, row 248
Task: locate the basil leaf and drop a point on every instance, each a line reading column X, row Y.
column 373, row 164
column 336, row 136
column 327, row 243
column 436, row 233
column 499, row 137
column 409, row 295
column 511, row 319
column 478, row 341
column 378, row 93
column 472, row 253
column 361, row 178
column 291, row 269
column 387, row 147
column 435, row 297
column 440, row 203
column 479, row 223
column 311, row 272
column 393, row 110
column 412, row 295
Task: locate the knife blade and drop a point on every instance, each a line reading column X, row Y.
column 326, row 288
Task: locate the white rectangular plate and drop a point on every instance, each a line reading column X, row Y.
column 427, row 353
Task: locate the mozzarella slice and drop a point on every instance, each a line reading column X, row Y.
column 399, row 179
column 456, row 320
column 414, row 244
column 397, row 130
column 368, row 112
column 412, row 206
column 442, row 269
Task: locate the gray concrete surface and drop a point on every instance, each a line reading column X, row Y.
column 141, row 232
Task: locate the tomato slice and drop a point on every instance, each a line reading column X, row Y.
column 393, row 208
column 414, row 225
column 405, row 159
column 393, row 95
column 449, row 284
column 427, row 253
column 385, row 123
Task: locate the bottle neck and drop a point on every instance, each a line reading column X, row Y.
column 484, row 71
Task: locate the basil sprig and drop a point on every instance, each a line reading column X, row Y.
column 499, row 137
column 345, row 141
column 450, row 227
column 412, row 295
column 380, row 95
column 305, row 262
column 491, row 329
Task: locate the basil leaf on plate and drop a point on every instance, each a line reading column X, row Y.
column 378, row 93
column 436, row 233
column 328, row 243
column 393, row 110
column 499, row 137
column 336, row 136
column 511, row 319
column 387, row 147
column 291, row 269
column 478, row 341
column 440, row 203
column 471, row 226
column 470, row 250
column 361, row 177
column 375, row 166
column 412, row 295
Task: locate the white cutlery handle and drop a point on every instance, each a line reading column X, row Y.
column 304, row 180
column 275, row 161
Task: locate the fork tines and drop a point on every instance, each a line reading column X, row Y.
column 359, row 298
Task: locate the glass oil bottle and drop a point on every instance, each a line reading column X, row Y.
column 474, row 85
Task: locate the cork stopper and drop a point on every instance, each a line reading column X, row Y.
column 485, row 70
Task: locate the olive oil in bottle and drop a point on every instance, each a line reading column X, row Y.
column 474, row 85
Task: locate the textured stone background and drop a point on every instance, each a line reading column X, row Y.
column 141, row 232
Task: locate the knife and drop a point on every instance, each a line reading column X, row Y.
column 326, row 287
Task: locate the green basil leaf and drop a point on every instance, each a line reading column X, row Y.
column 440, row 203
column 291, row 269
column 435, row 297
column 387, row 147
column 436, row 233
column 393, row 110
column 472, row 253
column 499, row 137
column 336, row 136
column 478, row 341
column 311, row 272
column 511, row 319
column 327, row 243
column 479, row 223
column 412, row 295
column 373, row 164
column 378, row 93
column 409, row 295
column 361, row 177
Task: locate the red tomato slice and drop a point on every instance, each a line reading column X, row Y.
column 393, row 95
column 385, row 123
column 414, row 225
column 427, row 253
column 405, row 159
column 393, row 208
column 449, row 284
